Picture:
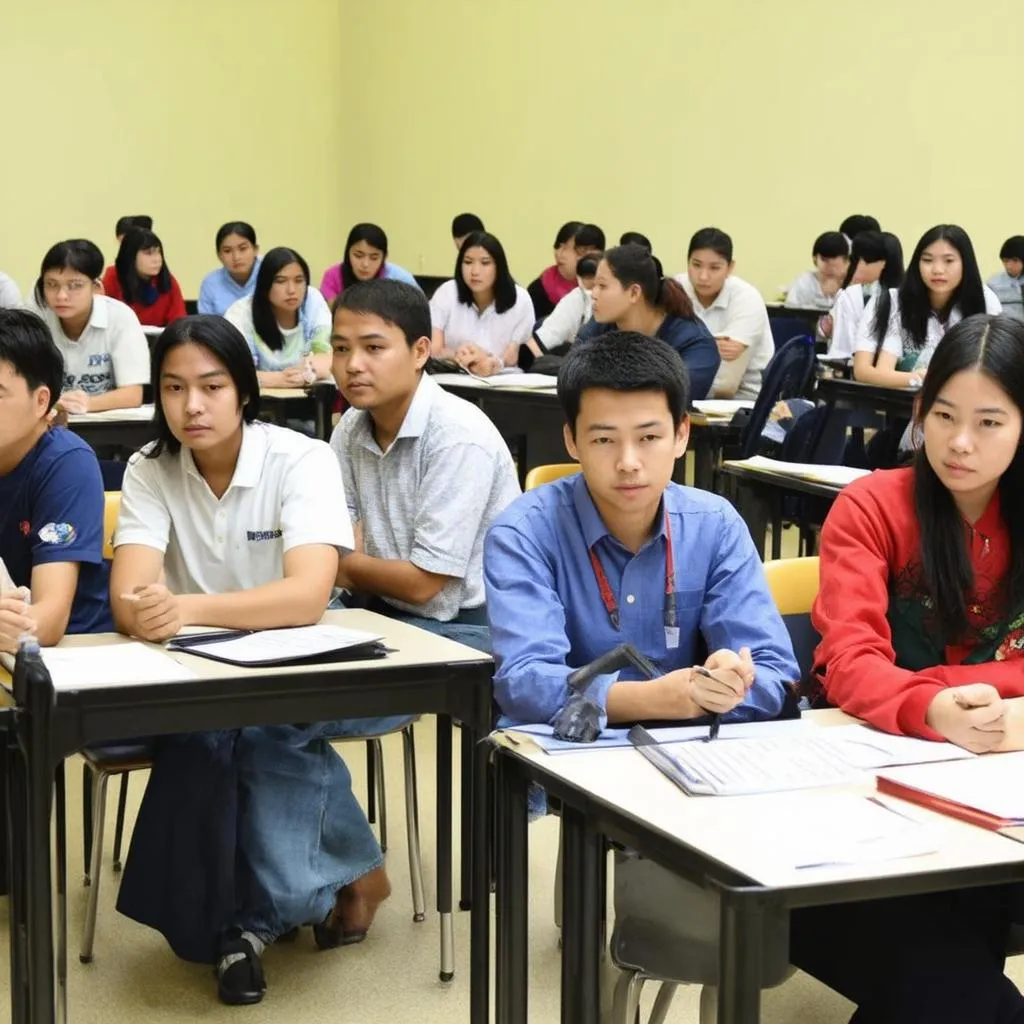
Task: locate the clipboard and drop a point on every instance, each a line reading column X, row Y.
column 271, row 648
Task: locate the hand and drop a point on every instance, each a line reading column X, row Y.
column 675, row 696
column 972, row 716
column 729, row 349
column 294, row 376
column 308, row 371
column 476, row 360
column 158, row 614
column 74, row 401
column 732, row 676
column 57, row 417
column 15, row 619
column 357, row 534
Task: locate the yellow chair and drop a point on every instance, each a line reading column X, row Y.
column 111, row 510
column 793, row 583
column 540, row 475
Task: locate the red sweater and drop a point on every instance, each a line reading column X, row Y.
column 869, row 552
column 169, row 305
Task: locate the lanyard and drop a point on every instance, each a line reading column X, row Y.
column 611, row 606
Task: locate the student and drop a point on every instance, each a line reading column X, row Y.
column 876, row 264
column 1008, row 284
column 141, row 221
column 581, row 565
column 856, row 223
column 239, row 255
column 10, row 294
column 816, row 289
column 366, row 257
column 463, row 225
column 631, row 294
column 51, row 529
column 553, row 284
column 921, row 615
column 106, row 356
column 901, row 326
column 235, row 523
column 425, row 472
column 286, row 322
column 734, row 312
column 564, row 324
column 635, row 238
column 482, row 316
column 142, row 280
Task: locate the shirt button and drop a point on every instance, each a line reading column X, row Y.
column 630, row 599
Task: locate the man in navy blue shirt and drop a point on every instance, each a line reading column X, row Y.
column 619, row 553
column 51, row 498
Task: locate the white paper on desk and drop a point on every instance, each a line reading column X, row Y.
column 275, row 645
column 129, row 664
column 721, row 406
column 838, row 475
column 864, row 747
column 140, row 414
column 544, row 737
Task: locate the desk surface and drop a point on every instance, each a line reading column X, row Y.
column 737, row 832
column 834, row 389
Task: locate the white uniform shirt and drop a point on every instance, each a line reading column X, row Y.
column 287, row 491
column 112, row 351
column 897, row 344
column 806, row 293
column 565, row 320
column 739, row 313
column 10, row 296
column 491, row 330
column 847, row 314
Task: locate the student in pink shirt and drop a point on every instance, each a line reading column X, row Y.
column 366, row 257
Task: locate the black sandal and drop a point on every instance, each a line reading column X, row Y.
column 241, row 983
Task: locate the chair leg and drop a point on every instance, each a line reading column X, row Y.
column 86, row 821
column 663, row 1001
column 626, row 1001
column 122, row 800
column 558, row 880
column 371, row 782
column 412, row 826
column 709, row 1004
column 61, row 951
column 382, row 795
column 99, row 809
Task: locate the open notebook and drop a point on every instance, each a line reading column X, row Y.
column 840, row 476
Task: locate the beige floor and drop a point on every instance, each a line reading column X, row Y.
column 392, row 977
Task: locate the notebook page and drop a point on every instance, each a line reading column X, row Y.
column 131, row 664
column 280, row 644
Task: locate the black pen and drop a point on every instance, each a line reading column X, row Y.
column 716, row 718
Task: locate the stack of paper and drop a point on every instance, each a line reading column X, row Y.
column 721, row 407
column 538, row 381
column 141, row 413
column 102, row 665
column 840, row 476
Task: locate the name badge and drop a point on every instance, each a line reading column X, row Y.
column 671, row 637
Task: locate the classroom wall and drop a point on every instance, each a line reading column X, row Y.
column 194, row 111
column 771, row 120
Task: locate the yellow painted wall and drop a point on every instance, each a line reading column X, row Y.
column 772, row 120
column 194, row 111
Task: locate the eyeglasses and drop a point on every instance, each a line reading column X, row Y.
column 71, row 287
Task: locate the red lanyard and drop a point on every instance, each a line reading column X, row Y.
column 608, row 597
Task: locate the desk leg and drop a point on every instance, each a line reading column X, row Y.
column 480, row 919
column 17, row 828
column 739, row 982
column 468, row 773
column 62, row 896
column 512, row 894
column 582, row 915
column 444, row 846
column 754, row 509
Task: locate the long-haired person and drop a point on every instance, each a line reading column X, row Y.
column 366, row 258
column 140, row 278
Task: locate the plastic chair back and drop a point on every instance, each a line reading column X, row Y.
column 111, row 510
column 540, row 475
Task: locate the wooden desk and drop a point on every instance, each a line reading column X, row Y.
column 426, row 674
column 722, row 843
column 853, row 394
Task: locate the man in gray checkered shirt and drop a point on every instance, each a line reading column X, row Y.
column 425, row 472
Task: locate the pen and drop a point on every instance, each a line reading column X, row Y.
column 716, row 718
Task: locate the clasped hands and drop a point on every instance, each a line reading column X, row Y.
column 691, row 694
column 975, row 717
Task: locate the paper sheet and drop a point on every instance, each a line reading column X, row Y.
column 6, row 583
column 538, row 381
column 725, row 407
column 865, row 747
column 129, row 664
column 273, row 645
column 838, row 475
column 141, row 414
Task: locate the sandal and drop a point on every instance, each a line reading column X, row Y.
column 240, row 980
column 353, row 912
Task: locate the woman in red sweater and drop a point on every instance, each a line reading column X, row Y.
column 921, row 614
column 140, row 278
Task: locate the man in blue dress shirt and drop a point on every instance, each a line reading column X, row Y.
column 619, row 553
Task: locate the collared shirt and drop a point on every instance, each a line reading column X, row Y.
column 491, row 330
column 112, row 352
column 738, row 312
column 806, row 293
column 431, row 496
column 286, row 492
column 847, row 314
column 1008, row 290
column 311, row 335
column 10, row 295
column 566, row 319
column 51, row 510
column 908, row 353
column 331, row 287
column 547, row 617
column 220, row 290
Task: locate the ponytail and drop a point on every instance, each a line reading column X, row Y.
column 673, row 299
column 632, row 264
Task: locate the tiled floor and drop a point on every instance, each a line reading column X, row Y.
column 391, row 977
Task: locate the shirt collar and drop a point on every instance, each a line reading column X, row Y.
column 98, row 315
column 721, row 299
column 592, row 524
column 416, row 416
column 251, row 456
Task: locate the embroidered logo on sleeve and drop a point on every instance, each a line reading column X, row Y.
column 57, row 533
column 259, row 535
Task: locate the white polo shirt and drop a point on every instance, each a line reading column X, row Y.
column 287, row 491
column 491, row 330
column 739, row 313
column 847, row 314
column 10, row 296
column 112, row 351
column 903, row 348
column 562, row 325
